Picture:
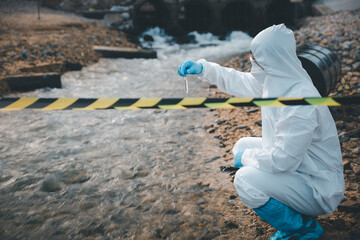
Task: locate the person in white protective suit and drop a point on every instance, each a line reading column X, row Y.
column 294, row 172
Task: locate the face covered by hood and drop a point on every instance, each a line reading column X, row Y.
column 274, row 50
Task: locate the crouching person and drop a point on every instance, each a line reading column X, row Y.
column 294, row 172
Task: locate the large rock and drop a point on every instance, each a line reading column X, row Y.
column 113, row 19
column 71, row 5
column 99, row 4
column 51, row 3
column 90, row 3
column 105, row 4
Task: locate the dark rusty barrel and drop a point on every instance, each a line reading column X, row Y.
column 322, row 65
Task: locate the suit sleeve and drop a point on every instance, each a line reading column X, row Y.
column 231, row 81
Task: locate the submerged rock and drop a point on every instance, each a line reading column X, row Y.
column 51, row 184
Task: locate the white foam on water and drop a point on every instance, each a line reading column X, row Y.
column 206, row 45
column 161, row 41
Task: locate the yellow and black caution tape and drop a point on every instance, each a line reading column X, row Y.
column 9, row 104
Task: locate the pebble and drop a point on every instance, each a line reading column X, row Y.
column 259, row 231
column 345, row 54
column 46, row 52
column 125, row 15
column 259, row 123
column 220, row 122
column 346, row 165
column 347, row 69
column 252, row 110
column 356, row 55
column 211, row 130
column 231, row 225
column 356, row 66
column 232, row 197
column 346, row 45
column 212, row 159
column 342, row 137
column 355, row 151
column 228, row 169
column 25, row 54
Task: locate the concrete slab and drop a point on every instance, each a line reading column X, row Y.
column 31, row 82
column 118, row 52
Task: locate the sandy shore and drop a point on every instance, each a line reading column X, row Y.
column 28, row 45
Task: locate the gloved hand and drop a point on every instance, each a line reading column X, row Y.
column 190, row 67
column 237, row 162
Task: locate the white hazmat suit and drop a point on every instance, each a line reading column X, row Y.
column 298, row 159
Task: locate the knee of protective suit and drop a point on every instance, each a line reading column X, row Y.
column 240, row 145
column 244, row 185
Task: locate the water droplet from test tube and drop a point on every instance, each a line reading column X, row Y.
column 186, row 85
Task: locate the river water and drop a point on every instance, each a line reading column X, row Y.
column 111, row 174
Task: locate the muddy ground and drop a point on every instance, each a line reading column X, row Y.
column 29, row 45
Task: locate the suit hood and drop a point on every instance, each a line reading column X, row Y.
column 274, row 49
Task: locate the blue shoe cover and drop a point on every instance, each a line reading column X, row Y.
column 311, row 231
column 291, row 224
column 280, row 216
column 279, row 235
column 314, row 232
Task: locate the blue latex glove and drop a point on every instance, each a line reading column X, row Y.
column 190, row 67
column 237, row 162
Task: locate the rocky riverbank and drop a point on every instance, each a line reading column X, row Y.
column 340, row 33
column 58, row 42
